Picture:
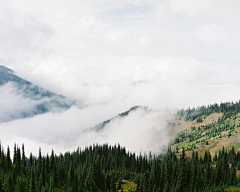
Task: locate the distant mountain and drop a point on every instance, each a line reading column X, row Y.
column 41, row 100
column 100, row 126
column 7, row 75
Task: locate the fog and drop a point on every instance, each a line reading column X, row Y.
column 19, row 101
column 140, row 131
column 110, row 56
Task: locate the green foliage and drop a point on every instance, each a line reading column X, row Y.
column 236, row 145
column 224, row 127
column 229, row 109
column 103, row 167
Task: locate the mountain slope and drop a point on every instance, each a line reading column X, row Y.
column 209, row 132
column 20, row 98
column 101, row 126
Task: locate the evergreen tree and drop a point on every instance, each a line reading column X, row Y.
column 32, row 182
column 207, row 174
column 181, row 180
column 232, row 178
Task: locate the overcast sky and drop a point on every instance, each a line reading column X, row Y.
column 117, row 54
column 156, row 53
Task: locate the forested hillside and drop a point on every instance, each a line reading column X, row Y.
column 219, row 125
column 203, row 156
column 104, row 167
column 192, row 114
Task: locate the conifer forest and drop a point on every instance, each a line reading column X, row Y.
column 105, row 167
column 119, row 96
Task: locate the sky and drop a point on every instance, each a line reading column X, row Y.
column 112, row 55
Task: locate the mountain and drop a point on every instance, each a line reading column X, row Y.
column 7, row 75
column 114, row 168
column 27, row 99
column 208, row 129
column 101, row 126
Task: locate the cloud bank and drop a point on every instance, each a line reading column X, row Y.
column 139, row 52
column 112, row 55
column 20, row 101
column 140, row 131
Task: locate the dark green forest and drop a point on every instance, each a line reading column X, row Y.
column 192, row 114
column 103, row 167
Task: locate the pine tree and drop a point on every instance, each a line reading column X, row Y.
column 51, row 184
column 232, row 178
column 168, row 173
column 207, row 174
column 181, row 180
column 193, row 173
column 32, row 182
column 155, row 172
column 113, row 186
column 14, row 154
column 199, row 178
column 23, row 163
column 218, row 174
column 8, row 159
column 166, row 187
column 119, row 183
column 6, row 183
column 162, row 177
column 1, row 181
column 30, row 160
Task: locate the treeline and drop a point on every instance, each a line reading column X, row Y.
column 192, row 114
column 206, row 132
column 100, row 167
column 6, row 76
column 96, row 168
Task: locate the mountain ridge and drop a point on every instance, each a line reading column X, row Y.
column 44, row 100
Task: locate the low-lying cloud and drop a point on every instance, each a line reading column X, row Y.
column 20, row 101
column 13, row 104
column 112, row 55
column 141, row 131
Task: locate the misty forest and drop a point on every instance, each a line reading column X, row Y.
column 196, row 158
column 180, row 167
column 119, row 96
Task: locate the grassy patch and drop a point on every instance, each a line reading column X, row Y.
column 236, row 145
column 211, row 147
column 232, row 189
column 201, row 154
column 127, row 185
column 184, row 145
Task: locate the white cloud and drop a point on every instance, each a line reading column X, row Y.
column 139, row 131
column 19, row 102
column 123, row 53
column 13, row 104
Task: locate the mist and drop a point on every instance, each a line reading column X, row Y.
column 142, row 130
column 111, row 56
column 20, row 101
column 13, row 103
column 139, row 131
